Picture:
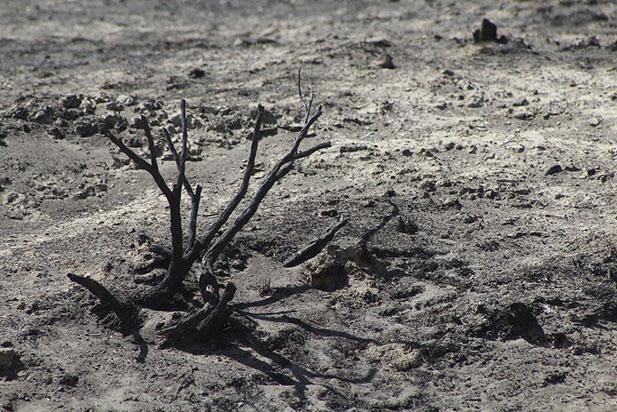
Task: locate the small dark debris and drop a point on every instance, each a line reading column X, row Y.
column 488, row 32
column 520, row 102
column 86, row 128
column 404, row 225
column 69, row 379
column 196, row 73
column 329, row 213
column 386, row 62
column 554, row 378
column 553, row 170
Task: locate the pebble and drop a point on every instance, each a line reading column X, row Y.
column 86, row 128
column 520, row 102
column 71, row 101
column 114, row 106
column 43, row 116
column 69, row 379
column 196, row 73
column 386, row 62
column 552, row 170
column 404, row 225
column 9, row 360
column 524, row 115
column 21, row 113
column 126, row 100
column 56, row 133
column 488, row 32
column 88, row 191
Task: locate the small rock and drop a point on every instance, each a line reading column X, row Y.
column 71, row 101
column 114, row 106
column 404, row 225
column 126, row 100
column 390, row 193
column 20, row 113
column 102, row 98
column 86, row 128
column 428, row 186
column 134, row 141
column 69, row 379
column 524, row 115
column 386, row 62
column 70, row 114
column 552, row 170
column 449, row 146
column 441, row 106
column 87, row 107
column 56, row 133
column 196, row 73
column 9, row 361
column 477, row 101
column 407, row 152
column 88, row 191
column 43, row 116
column 488, row 32
column 594, row 122
column 325, row 272
column 520, row 102
column 113, row 121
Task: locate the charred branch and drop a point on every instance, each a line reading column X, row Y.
column 207, row 321
column 316, row 245
column 126, row 312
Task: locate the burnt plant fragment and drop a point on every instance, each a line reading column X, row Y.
column 198, row 252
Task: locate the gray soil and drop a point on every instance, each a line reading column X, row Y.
column 483, row 173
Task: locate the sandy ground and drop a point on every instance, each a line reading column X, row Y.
column 486, row 171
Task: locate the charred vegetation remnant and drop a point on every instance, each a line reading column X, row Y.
column 206, row 320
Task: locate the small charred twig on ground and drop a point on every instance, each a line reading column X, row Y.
column 316, row 245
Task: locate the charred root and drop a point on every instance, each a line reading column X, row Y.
column 200, row 325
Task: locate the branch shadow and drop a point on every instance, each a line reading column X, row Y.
column 368, row 235
column 242, row 345
column 284, row 370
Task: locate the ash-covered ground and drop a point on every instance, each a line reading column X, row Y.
column 482, row 176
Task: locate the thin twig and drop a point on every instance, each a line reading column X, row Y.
column 204, row 243
column 151, row 146
column 195, row 199
column 273, row 176
column 307, row 106
column 174, row 154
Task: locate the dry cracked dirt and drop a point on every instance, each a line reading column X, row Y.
column 481, row 175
